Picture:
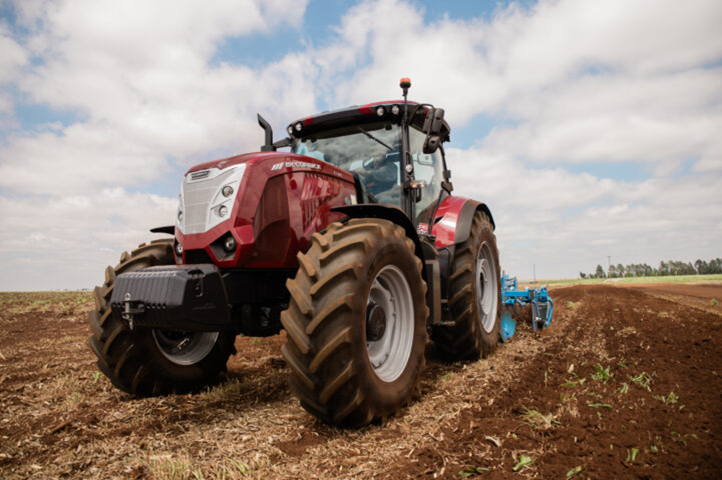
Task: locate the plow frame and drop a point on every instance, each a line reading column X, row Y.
column 539, row 299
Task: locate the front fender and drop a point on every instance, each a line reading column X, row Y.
column 388, row 212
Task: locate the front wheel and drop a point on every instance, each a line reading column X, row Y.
column 148, row 361
column 356, row 322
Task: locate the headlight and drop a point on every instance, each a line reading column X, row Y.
column 230, row 243
column 227, row 191
column 222, row 211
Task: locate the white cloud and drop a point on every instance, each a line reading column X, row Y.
column 65, row 242
column 572, row 81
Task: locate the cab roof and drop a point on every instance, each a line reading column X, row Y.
column 371, row 112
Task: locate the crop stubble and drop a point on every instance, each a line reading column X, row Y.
column 573, row 399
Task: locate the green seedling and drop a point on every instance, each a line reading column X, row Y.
column 624, row 389
column 631, row 455
column 602, row 374
column 472, row 471
column 572, row 305
column 523, row 461
column 573, row 471
column 714, row 302
column 644, row 380
column 670, row 399
column 599, row 405
column 96, row 377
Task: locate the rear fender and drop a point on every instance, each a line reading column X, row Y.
column 454, row 216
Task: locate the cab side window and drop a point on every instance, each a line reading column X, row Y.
column 429, row 169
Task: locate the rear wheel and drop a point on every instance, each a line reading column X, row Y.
column 356, row 322
column 474, row 296
column 147, row 361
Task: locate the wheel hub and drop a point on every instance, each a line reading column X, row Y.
column 375, row 322
column 487, row 287
column 184, row 348
column 389, row 323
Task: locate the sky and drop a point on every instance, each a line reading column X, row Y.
column 592, row 130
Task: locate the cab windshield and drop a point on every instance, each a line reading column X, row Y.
column 370, row 150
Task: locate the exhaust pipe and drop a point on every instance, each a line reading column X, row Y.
column 268, row 146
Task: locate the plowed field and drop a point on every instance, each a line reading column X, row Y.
column 625, row 384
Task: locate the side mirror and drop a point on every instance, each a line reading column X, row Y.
column 431, row 144
column 433, row 124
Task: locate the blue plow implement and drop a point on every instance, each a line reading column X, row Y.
column 512, row 298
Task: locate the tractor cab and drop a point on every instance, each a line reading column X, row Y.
column 391, row 149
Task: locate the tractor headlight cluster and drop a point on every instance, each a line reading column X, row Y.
column 214, row 192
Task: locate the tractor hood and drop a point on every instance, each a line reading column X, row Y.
column 257, row 210
column 238, row 159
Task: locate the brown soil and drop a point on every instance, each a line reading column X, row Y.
column 625, row 384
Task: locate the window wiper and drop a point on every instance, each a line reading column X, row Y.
column 373, row 138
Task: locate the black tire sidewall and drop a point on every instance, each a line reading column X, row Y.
column 485, row 234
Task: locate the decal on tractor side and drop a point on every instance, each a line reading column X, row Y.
column 295, row 164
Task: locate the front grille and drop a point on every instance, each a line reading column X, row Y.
column 197, row 196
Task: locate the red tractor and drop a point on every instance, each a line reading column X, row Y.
column 352, row 243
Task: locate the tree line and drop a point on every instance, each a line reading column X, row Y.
column 699, row 267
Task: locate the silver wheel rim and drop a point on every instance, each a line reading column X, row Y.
column 390, row 353
column 487, row 287
column 185, row 348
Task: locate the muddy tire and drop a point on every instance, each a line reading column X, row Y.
column 356, row 322
column 148, row 362
column 474, row 296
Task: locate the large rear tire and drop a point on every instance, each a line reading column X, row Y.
column 148, row 362
column 474, row 296
column 356, row 322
